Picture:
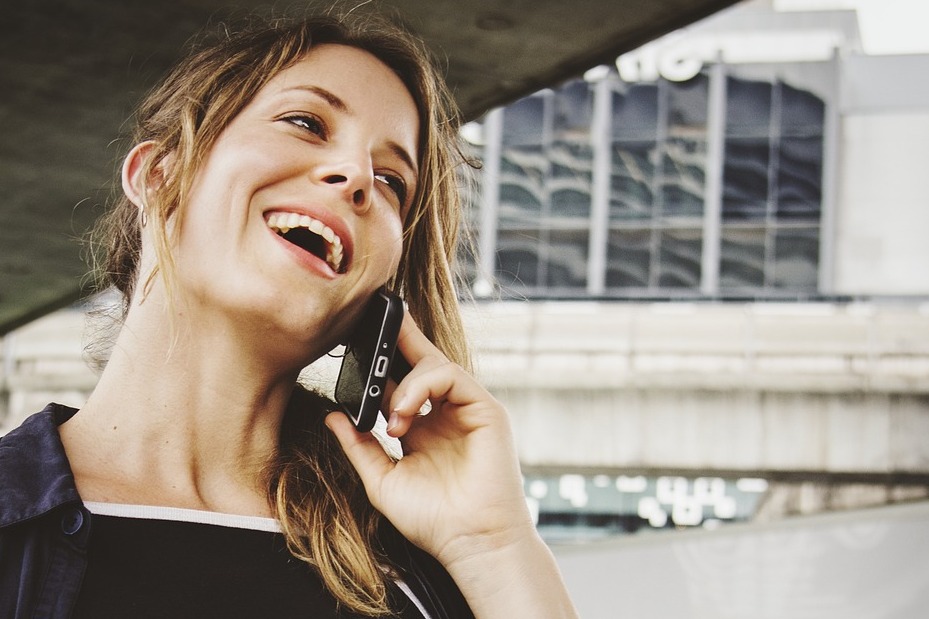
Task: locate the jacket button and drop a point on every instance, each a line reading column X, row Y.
column 72, row 521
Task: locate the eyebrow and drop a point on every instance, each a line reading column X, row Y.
column 340, row 105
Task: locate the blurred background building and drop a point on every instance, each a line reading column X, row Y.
column 720, row 242
column 701, row 284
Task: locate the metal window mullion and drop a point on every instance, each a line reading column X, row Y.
column 713, row 189
column 661, row 145
column 490, row 198
column 827, row 206
column 601, row 137
column 548, row 133
column 774, row 133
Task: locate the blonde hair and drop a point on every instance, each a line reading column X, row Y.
column 317, row 495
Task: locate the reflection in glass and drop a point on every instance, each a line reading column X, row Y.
column 628, row 258
column 687, row 106
column 683, row 177
column 742, row 258
column 522, row 183
column 802, row 112
column 796, row 259
column 799, row 178
column 679, row 258
column 524, row 122
column 748, row 107
column 569, row 186
column 771, row 188
column 635, row 112
column 471, row 200
column 633, row 173
column 573, row 108
column 518, row 259
column 745, row 178
column 567, row 259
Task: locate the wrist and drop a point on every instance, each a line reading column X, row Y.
column 514, row 576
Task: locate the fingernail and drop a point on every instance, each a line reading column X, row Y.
column 392, row 422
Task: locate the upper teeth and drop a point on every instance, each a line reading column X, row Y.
column 285, row 222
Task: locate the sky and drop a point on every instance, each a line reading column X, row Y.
column 887, row 26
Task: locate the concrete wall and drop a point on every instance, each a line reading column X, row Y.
column 882, row 225
column 725, row 389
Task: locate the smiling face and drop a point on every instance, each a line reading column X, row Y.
column 295, row 217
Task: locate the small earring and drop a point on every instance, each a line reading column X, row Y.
column 144, row 216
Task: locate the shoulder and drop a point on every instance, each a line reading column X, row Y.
column 35, row 476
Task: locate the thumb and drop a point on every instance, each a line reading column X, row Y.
column 363, row 450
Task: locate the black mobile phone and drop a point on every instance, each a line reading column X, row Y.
column 370, row 357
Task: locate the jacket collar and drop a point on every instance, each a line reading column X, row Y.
column 35, row 476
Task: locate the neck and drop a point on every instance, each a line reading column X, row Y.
column 180, row 417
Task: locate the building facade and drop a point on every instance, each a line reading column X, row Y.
column 756, row 155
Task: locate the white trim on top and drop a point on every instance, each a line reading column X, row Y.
column 179, row 514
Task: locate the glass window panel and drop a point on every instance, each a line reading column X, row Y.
column 573, row 108
column 522, row 184
column 799, row 178
column 628, row 258
column 635, row 112
column 796, row 259
column 569, row 186
column 745, row 178
column 518, row 258
column 748, row 107
column 471, row 200
column 633, row 173
column 683, row 178
column 741, row 259
column 680, row 253
column 802, row 112
column 687, row 106
column 524, row 121
column 567, row 259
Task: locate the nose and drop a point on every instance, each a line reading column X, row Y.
column 352, row 180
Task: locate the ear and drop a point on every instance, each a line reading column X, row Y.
column 134, row 185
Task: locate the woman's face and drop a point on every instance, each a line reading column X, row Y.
column 295, row 216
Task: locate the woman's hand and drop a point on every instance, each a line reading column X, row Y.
column 457, row 492
column 457, row 488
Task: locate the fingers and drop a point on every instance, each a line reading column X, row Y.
column 433, row 378
column 362, row 449
column 413, row 343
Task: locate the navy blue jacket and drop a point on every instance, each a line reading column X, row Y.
column 45, row 530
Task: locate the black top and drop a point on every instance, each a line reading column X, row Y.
column 161, row 569
column 45, row 533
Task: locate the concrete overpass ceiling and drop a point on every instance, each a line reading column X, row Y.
column 71, row 70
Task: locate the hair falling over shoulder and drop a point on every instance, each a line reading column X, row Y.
column 319, row 499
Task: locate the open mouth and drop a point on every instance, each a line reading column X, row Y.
column 310, row 235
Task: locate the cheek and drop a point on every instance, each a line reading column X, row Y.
column 387, row 237
column 396, row 246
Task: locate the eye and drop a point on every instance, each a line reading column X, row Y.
column 395, row 183
column 308, row 123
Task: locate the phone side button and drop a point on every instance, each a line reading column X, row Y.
column 380, row 366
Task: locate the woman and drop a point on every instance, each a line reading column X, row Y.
column 195, row 462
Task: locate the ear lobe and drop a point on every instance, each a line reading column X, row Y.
column 135, row 185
